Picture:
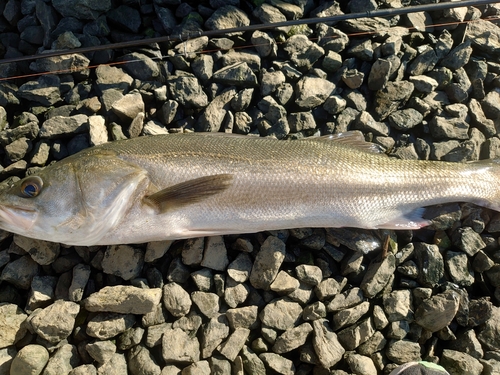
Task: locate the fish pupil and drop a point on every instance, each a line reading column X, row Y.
column 30, row 190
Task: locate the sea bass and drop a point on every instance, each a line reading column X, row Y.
column 191, row 185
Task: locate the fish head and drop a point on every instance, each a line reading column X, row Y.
column 74, row 201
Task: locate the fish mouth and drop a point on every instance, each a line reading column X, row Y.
column 17, row 217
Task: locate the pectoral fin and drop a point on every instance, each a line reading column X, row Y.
column 188, row 192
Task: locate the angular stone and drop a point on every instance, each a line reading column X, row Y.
column 311, row 92
column 107, row 325
column 176, row 299
column 281, row 314
column 460, row 363
column 430, row 263
column 437, row 312
column 267, row 263
column 292, row 338
column 378, row 275
column 177, row 346
column 123, row 261
column 56, row 322
column 238, row 74
column 59, row 126
column 124, row 299
column 31, row 359
column 12, row 324
column 232, row 346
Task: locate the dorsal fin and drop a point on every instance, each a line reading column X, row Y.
column 352, row 138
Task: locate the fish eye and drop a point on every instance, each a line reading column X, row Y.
column 31, row 186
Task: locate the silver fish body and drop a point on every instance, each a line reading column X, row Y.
column 191, row 185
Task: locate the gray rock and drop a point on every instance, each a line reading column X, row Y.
column 199, row 368
column 212, row 334
column 349, row 316
column 332, row 62
column 234, row 343
column 124, row 299
column 55, row 322
column 424, row 62
column 479, row 119
column 12, row 324
column 437, row 312
column 123, row 261
column 107, row 325
column 141, row 67
column 374, row 344
column 227, row 17
column 243, row 317
column 284, row 283
column 242, row 100
column 29, row 131
column 115, row 366
column 398, row 305
column 31, row 360
column 280, row 314
column 252, row 363
column 71, row 62
column 213, row 115
column 20, row 272
column 156, row 249
column 251, row 58
column 334, row 104
column 311, row 92
column 379, row 74
column 467, row 240
column 405, row 119
column 235, row 293
column 88, row 9
column 101, row 351
column 302, row 52
column 44, row 91
column 264, row 43
column 62, row 361
column 278, row 363
column 460, row 363
column 238, row 74
column 423, row 83
column 353, row 78
column 42, row 252
column 388, row 99
column 349, row 298
column 327, row 289
column 267, row 263
column 355, row 335
column 366, row 123
column 129, row 106
column 141, row 361
column 326, row 345
column 81, row 274
column 403, row 351
column 300, row 121
column 176, row 299
column 97, row 130
column 239, row 269
column 314, row 311
column 467, row 342
column 430, row 263
column 192, row 251
column 110, row 77
column 59, row 126
column 459, row 268
column 490, row 104
column 18, row 149
column 292, row 338
column 310, row 275
column 207, row 303
column 270, row 81
column 360, row 364
column 177, row 346
column 482, row 35
column 215, row 256
column 489, row 333
column 377, row 276
column 42, row 292
column 458, row 57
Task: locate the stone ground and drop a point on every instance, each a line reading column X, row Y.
column 320, row 301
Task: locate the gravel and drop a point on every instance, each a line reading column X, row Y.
column 292, row 301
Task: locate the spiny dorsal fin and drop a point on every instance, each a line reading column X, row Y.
column 352, row 138
column 189, row 192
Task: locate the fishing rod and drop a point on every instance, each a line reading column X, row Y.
column 242, row 29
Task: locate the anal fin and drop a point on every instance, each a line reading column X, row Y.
column 188, row 192
column 411, row 220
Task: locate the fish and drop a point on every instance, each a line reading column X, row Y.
column 178, row 186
